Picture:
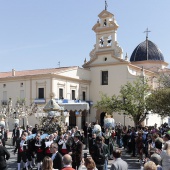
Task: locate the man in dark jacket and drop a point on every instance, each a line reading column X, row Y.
column 92, row 143
column 15, row 134
column 86, row 139
column 56, row 157
column 35, row 129
column 3, row 135
column 4, row 155
column 21, row 148
column 100, row 153
column 76, row 151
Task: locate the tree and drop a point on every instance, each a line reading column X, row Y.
column 134, row 103
column 108, row 104
column 131, row 100
column 159, row 102
column 164, row 80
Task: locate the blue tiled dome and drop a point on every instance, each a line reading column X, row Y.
column 140, row 52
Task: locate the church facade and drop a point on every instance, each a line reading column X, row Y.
column 78, row 89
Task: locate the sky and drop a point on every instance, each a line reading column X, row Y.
column 38, row 34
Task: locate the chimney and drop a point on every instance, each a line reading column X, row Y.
column 13, row 72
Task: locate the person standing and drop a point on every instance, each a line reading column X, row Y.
column 133, row 136
column 165, row 156
column 89, row 163
column 15, row 134
column 35, row 129
column 85, row 129
column 48, row 142
column 101, row 153
column 3, row 135
column 67, row 160
column 21, row 147
column 119, row 135
column 92, row 143
column 56, row 137
column 56, row 157
column 77, row 149
column 39, row 149
column 47, row 163
column 150, row 165
column 4, row 155
column 63, row 145
column 118, row 163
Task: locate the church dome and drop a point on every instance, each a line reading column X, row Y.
column 141, row 51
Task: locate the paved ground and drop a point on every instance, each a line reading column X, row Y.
column 132, row 162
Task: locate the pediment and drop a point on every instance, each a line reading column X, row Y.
column 104, row 60
column 105, row 14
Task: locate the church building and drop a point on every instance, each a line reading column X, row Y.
column 78, row 89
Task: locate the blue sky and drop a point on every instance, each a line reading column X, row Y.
column 40, row 33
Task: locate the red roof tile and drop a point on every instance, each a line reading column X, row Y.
column 35, row 72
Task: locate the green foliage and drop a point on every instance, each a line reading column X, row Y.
column 134, row 99
column 164, row 80
column 131, row 101
column 108, row 104
column 159, row 101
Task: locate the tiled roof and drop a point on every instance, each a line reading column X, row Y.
column 35, row 72
column 140, row 52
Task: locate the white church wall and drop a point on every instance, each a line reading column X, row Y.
column 155, row 118
column 77, row 73
column 123, row 119
column 45, row 83
column 105, row 59
column 117, row 75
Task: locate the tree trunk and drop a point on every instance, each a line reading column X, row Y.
column 137, row 121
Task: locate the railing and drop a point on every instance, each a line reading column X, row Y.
column 4, row 102
column 39, row 101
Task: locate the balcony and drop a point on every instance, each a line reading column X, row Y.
column 4, row 102
column 39, row 101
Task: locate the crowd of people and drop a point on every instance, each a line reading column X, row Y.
column 151, row 145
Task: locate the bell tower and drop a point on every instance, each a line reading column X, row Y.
column 106, row 34
column 106, row 45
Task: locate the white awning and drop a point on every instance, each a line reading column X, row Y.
column 75, row 106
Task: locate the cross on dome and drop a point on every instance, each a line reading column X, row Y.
column 147, row 31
